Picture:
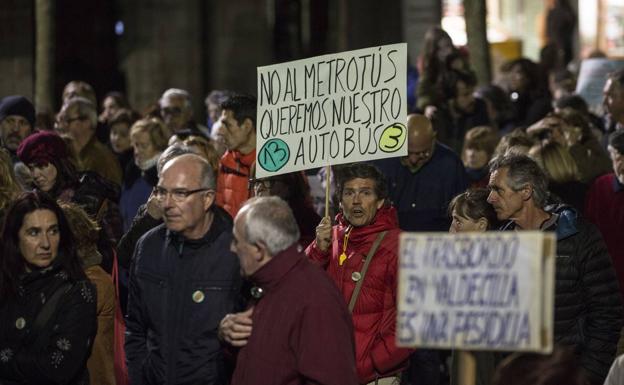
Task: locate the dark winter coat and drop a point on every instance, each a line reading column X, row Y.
column 588, row 307
column 180, row 290
column 422, row 198
column 57, row 353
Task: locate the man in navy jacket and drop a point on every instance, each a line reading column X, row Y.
column 183, row 281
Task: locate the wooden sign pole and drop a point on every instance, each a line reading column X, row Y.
column 327, row 185
column 467, row 368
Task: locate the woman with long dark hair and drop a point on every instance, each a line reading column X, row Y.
column 47, row 156
column 528, row 91
column 439, row 57
column 47, row 305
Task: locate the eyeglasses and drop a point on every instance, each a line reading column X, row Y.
column 173, row 111
column 266, row 183
column 71, row 120
column 178, row 195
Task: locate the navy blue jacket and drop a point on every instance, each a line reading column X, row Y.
column 422, row 198
column 179, row 291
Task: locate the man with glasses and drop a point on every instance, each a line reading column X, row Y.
column 77, row 122
column 422, row 184
column 183, row 281
column 177, row 113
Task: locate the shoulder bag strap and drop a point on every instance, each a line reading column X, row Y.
column 48, row 309
column 358, row 285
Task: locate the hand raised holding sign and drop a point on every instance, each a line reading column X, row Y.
column 323, row 234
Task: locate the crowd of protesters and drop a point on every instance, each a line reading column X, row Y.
column 222, row 277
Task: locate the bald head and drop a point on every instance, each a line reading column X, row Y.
column 194, row 166
column 418, row 126
column 420, row 140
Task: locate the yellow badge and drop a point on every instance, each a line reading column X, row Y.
column 198, row 296
column 342, row 258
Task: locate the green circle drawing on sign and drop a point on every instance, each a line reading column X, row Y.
column 393, row 137
column 274, row 155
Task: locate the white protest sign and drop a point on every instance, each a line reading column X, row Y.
column 592, row 78
column 332, row 109
column 476, row 291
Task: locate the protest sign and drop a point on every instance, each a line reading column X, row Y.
column 332, row 109
column 592, row 78
column 476, row 291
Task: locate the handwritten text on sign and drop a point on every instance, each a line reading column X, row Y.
column 332, row 109
column 477, row 291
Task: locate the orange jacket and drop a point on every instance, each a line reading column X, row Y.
column 233, row 180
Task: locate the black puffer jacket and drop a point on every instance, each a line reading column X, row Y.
column 588, row 307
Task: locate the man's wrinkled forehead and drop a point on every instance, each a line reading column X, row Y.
column 359, row 183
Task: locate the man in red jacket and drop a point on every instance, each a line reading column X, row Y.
column 604, row 205
column 342, row 250
column 302, row 330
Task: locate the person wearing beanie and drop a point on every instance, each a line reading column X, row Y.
column 604, row 205
column 48, row 157
column 17, row 119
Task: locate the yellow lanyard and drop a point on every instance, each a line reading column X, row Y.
column 343, row 256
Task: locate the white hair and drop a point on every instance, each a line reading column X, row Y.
column 176, row 93
column 269, row 220
column 84, row 107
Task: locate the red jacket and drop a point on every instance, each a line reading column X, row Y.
column 302, row 331
column 233, row 180
column 374, row 315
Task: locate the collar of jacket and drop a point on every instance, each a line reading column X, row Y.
column 219, row 225
column 38, row 273
column 244, row 159
column 565, row 226
column 271, row 274
column 385, row 219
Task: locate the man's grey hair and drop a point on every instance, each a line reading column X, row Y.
column 269, row 220
column 176, row 93
column 84, row 107
column 523, row 171
column 172, row 152
column 217, row 97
